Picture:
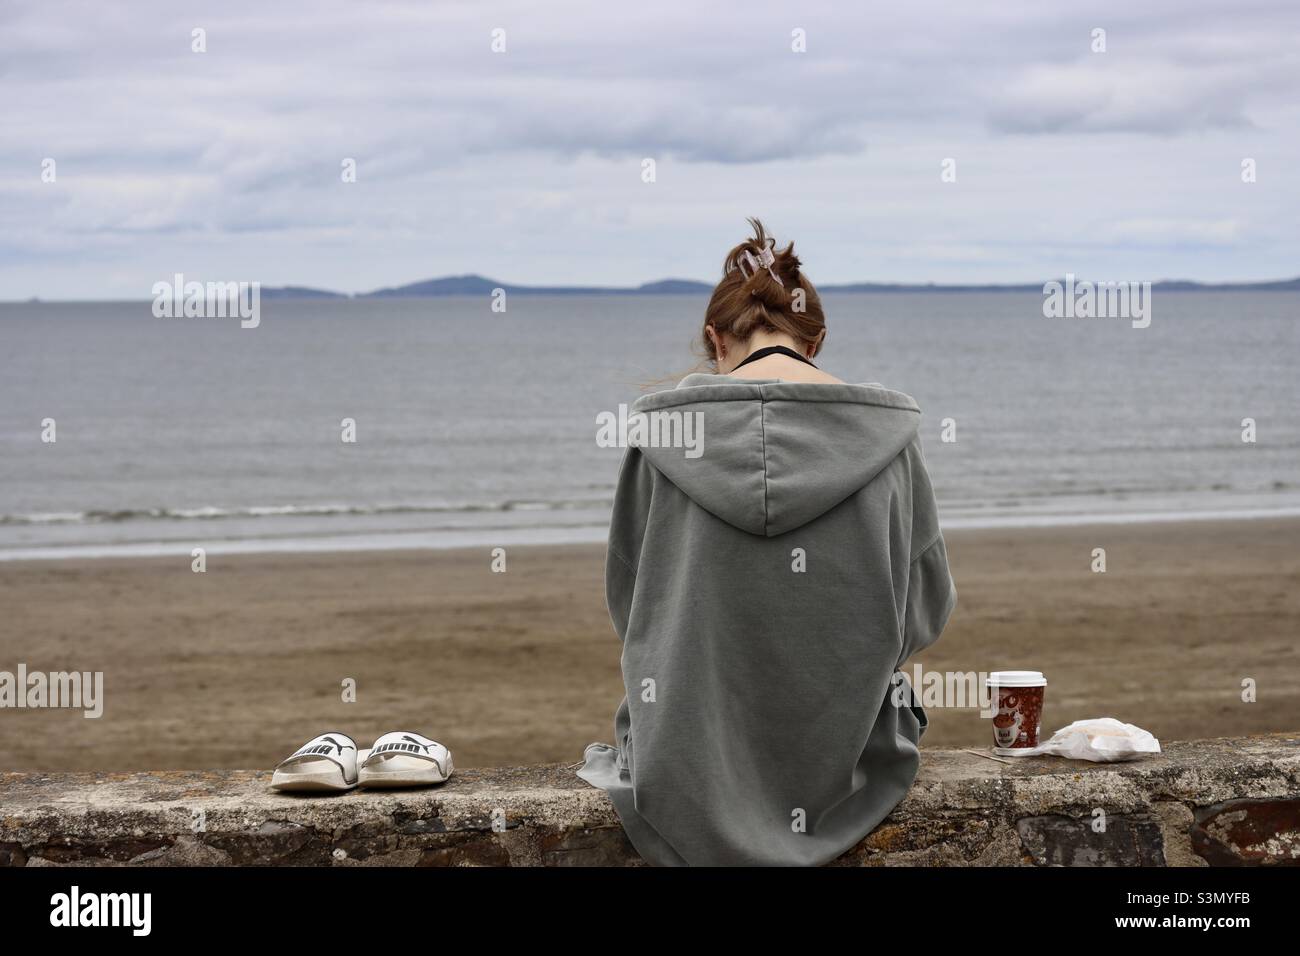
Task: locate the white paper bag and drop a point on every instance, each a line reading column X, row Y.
column 1101, row 739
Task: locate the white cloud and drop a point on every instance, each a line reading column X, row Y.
column 1218, row 232
column 525, row 165
column 1100, row 96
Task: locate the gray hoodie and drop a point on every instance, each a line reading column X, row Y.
column 766, row 593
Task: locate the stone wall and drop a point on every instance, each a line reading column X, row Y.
column 1231, row 801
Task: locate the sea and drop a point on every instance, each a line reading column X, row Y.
column 476, row 427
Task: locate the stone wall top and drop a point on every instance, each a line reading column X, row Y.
column 1228, row 801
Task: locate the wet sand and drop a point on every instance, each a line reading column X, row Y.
column 238, row 666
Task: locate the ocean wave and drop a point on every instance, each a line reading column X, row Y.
column 212, row 513
column 966, row 499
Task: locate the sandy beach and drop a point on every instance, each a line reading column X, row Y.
column 237, row 666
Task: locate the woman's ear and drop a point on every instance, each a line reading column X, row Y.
column 719, row 348
column 817, row 345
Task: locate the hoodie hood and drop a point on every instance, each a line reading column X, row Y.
column 775, row 455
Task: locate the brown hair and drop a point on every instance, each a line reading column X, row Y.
column 749, row 299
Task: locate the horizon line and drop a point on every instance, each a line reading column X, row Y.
column 453, row 285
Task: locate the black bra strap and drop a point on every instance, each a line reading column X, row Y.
column 774, row 350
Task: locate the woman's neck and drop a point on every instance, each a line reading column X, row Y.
column 777, row 366
column 767, row 340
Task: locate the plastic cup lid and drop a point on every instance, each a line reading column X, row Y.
column 1017, row 679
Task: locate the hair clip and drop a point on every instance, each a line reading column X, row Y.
column 765, row 260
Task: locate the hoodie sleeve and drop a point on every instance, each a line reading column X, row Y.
column 626, row 532
column 931, row 595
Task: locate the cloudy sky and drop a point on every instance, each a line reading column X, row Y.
column 526, row 165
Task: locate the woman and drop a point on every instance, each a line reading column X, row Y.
column 766, row 593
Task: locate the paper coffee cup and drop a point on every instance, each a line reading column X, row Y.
column 1017, row 698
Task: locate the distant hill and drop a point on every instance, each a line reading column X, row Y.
column 674, row 287
column 926, row 287
column 1186, row 285
column 299, row 292
column 1162, row 285
column 478, row 285
column 481, row 285
column 449, row 285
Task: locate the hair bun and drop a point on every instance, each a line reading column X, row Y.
column 769, row 274
column 757, row 292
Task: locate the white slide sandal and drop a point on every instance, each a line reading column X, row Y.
column 405, row 759
column 327, row 762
